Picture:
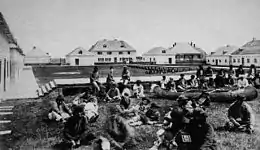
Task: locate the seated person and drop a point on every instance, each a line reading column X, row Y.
column 163, row 82
column 59, row 110
column 230, row 80
column 201, row 132
column 124, row 103
column 193, row 82
column 75, row 129
column 242, row 82
column 182, row 85
column 138, row 89
column 240, row 115
column 257, row 81
column 220, row 80
column 125, row 75
column 94, row 79
column 101, row 143
column 110, row 78
column 171, row 86
column 113, row 94
column 127, row 90
column 209, row 72
column 240, row 71
column 153, row 114
column 211, row 83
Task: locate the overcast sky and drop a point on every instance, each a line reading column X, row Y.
column 59, row 26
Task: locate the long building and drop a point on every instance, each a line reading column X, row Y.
column 36, row 57
column 245, row 55
column 11, row 57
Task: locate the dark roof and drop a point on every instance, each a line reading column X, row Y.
column 4, row 28
column 111, row 45
column 250, row 48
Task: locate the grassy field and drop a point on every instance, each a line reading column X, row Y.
column 30, row 131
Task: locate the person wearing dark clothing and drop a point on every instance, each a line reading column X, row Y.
column 75, row 130
column 94, row 79
column 240, row 71
column 153, row 113
column 230, row 80
column 110, row 78
column 192, row 82
column 182, row 84
column 231, row 71
column 257, row 81
column 125, row 75
column 200, row 72
column 251, row 74
column 201, row 132
column 220, row 80
column 209, row 72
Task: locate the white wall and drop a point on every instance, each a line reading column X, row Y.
column 16, row 64
column 222, row 60
column 160, row 59
column 37, row 60
column 83, row 60
column 248, row 60
column 110, row 57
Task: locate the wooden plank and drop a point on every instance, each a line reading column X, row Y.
column 44, row 89
column 40, row 92
column 5, row 121
column 48, row 87
column 11, row 107
column 6, row 109
column 5, row 132
column 52, row 84
column 6, row 113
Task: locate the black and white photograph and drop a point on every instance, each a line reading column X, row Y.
column 129, row 75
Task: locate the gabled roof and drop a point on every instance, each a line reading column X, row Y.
column 186, row 48
column 250, row 48
column 36, row 52
column 111, row 45
column 224, row 50
column 154, row 51
column 79, row 51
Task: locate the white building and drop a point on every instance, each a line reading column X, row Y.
column 159, row 55
column 80, row 57
column 36, row 57
column 113, row 51
column 179, row 53
column 248, row 54
column 222, row 56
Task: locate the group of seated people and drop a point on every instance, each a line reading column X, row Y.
column 205, row 80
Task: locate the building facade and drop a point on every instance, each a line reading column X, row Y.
column 246, row 55
column 159, row 55
column 37, row 57
column 113, row 51
column 221, row 56
column 10, row 57
column 80, row 57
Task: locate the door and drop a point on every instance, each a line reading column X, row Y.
column 243, row 61
column 216, row 62
column 77, row 61
column 115, row 59
column 170, row 60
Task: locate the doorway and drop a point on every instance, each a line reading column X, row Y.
column 5, row 74
column 115, row 59
column 243, row 61
column 170, row 60
column 77, row 61
column 216, row 62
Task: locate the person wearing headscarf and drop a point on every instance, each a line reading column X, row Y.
column 240, row 115
column 138, row 89
column 75, row 130
column 113, row 93
column 59, row 110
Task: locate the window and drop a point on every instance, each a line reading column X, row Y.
column 128, row 53
column 106, row 59
column 104, row 46
column 225, row 60
column 234, row 60
column 219, row 60
column 101, row 59
column 208, row 60
column 212, row 60
column 153, row 59
column 109, row 53
column 238, row 60
column 199, row 56
column 80, row 52
column 77, row 61
column 163, row 51
column 248, row 60
column 255, row 60
column 120, row 53
column 99, row 53
column 122, row 46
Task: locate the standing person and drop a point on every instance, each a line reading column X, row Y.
column 231, row 71
column 125, row 75
column 240, row 115
column 200, row 72
column 59, row 110
column 163, row 82
column 94, row 80
column 240, row 71
column 110, row 77
column 138, row 89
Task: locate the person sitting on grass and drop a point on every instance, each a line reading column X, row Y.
column 171, row 86
column 75, row 130
column 201, row 132
column 240, row 115
column 163, row 82
column 124, row 103
column 59, row 110
column 127, row 90
column 242, row 82
column 138, row 89
column 220, row 79
column 94, row 79
column 110, row 77
column 182, row 85
column 240, row 71
column 257, row 81
column 193, row 82
column 208, row 73
column 153, row 114
column 113, row 93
